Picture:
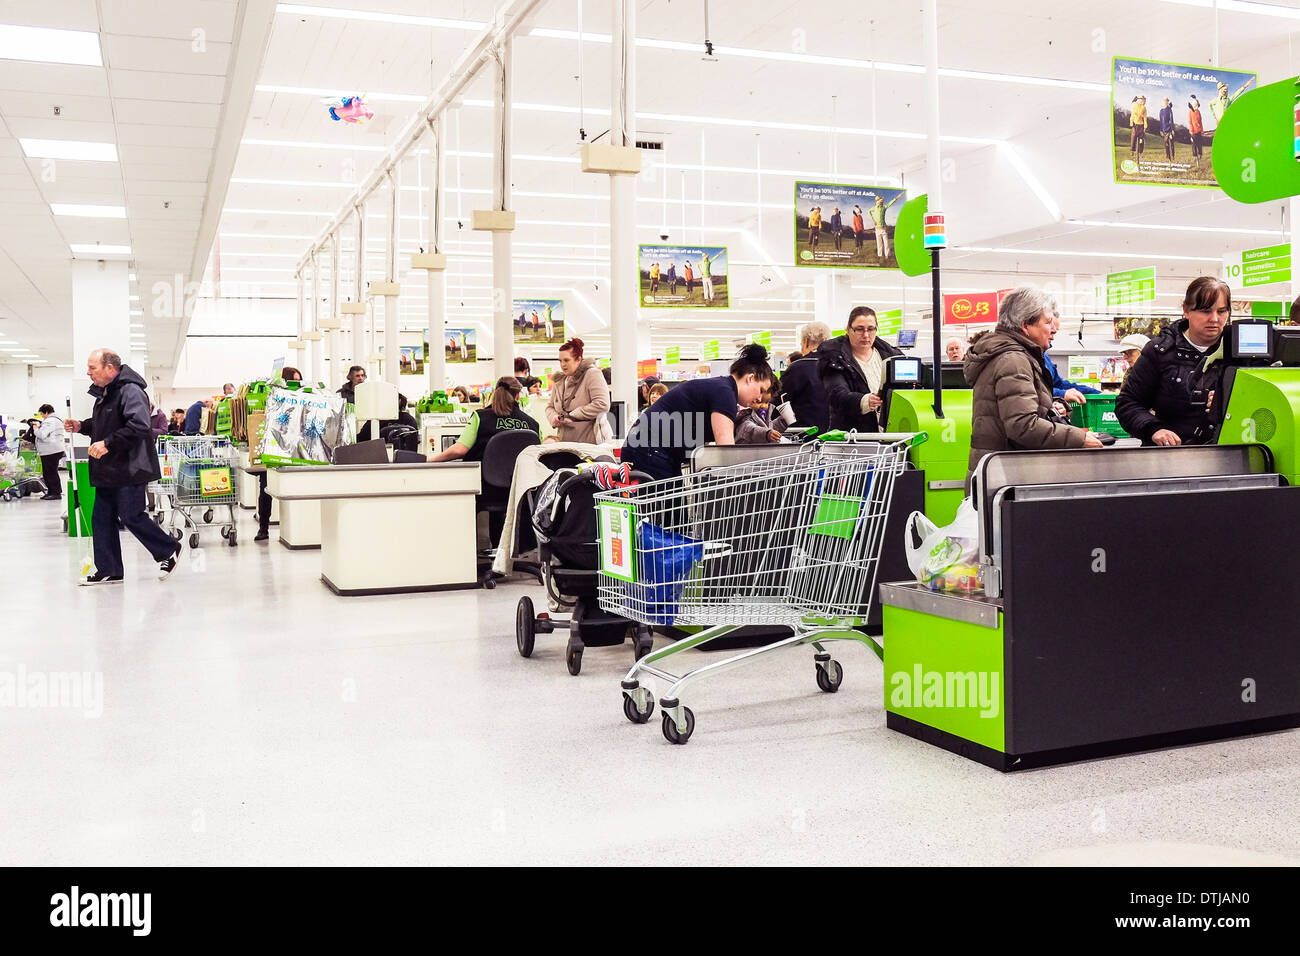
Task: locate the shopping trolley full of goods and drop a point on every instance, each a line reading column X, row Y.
column 202, row 471
column 790, row 541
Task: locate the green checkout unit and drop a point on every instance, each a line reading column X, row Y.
column 1133, row 598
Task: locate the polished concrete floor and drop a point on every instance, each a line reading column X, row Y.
column 249, row 716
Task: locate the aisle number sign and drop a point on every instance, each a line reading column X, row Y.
column 617, row 554
column 1254, row 267
column 970, row 308
column 1136, row 285
column 214, row 482
column 712, row 349
column 889, row 323
column 673, row 355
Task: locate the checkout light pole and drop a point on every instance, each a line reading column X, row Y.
column 934, row 241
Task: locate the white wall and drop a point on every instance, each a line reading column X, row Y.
column 48, row 384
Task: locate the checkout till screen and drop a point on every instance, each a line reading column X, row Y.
column 1252, row 341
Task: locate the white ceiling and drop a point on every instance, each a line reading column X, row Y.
column 756, row 119
column 164, row 98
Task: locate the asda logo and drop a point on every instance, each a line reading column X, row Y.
column 1109, row 417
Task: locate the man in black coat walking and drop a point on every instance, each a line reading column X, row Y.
column 123, row 461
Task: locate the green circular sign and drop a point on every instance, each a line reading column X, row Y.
column 805, row 255
column 1129, row 166
column 649, row 300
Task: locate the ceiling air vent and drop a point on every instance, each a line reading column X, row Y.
column 649, row 144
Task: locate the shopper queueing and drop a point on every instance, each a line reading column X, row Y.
column 580, row 397
column 123, row 461
column 193, row 416
column 287, row 374
column 801, row 383
column 852, row 370
column 356, row 375
column 1168, row 396
column 49, row 445
column 695, row 413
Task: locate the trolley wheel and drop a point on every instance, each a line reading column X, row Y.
column 225, row 531
column 232, row 539
column 574, row 661
column 525, row 627
column 158, row 518
column 634, row 715
column 642, row 644
column 207, row 516
column 672, row 734
column 194, row 540
column 177, row 533
column 830, row 676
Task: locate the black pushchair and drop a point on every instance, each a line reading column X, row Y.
column 564, row 520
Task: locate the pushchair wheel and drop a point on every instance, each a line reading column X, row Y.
column 232, row 539
column 488, row 582
column 672, row 734
column 829, row 676
column 642, row 643
column 158, row 518
column 574, row 661
column 525, row 627
column 637, row 716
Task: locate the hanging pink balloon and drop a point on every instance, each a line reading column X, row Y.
column 349, row 109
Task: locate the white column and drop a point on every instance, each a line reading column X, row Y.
column 503, row 346
column 334, row 375
column 392, row 354
column 437, row 278
column 301, row 358
column 317, row 365
column 359, row 292
column 833, row 298
column 101, row 319
column 624, row 293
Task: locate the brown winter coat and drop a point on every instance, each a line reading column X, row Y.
column 1012, row 404
column 584, row 397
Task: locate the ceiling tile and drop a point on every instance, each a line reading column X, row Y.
column 53, row 78
column 150, row 111
column 57, row 14
column 167, row 56
column 175, row 20
column 170, row 87
column 133, row 134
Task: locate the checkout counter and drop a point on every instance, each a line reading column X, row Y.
column 908, row 398
column 1134, row 598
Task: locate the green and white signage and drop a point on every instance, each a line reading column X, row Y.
column 1253, row 267
column 617, row 545
column 889, row 323
column 1136, row 285
column 673, row 355
column 711, row 349
column 762, row 338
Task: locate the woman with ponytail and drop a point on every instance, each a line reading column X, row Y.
column 696, row 413
column 580, row 397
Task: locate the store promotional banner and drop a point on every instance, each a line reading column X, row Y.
column 647, row 367
column 889, row 323
column 1135, row 285
column 846, row 227
column 762, row 338
column 682, row 277
column 1164, row 117
column 711, row 350
column 1253, row 267
column 539, row 321
column 673, row 355
column 970, row 308
column 459, row 345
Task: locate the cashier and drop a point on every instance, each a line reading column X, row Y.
column 695, row 413
column 1168, row 397
column 503, row 414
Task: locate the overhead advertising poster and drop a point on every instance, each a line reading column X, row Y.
column 846, row 227
column 683, row 277
column 539, row 321
column 460, row 347
column 1164, row 116
column 412, row 360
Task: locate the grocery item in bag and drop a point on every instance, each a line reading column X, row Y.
column 947, row 558
column 304, row 428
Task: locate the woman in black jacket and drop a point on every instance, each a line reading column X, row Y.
column 852, row 370
column 1169, row 395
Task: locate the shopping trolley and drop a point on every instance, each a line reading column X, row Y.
column 160, row 491
column 791, row 541
column 202, row 471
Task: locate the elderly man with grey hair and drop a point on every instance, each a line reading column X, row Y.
column 953, row 349
column 123, row 460
column 1012, row 404
column 802, row 386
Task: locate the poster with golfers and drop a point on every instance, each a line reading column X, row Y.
column 845, row 227
column 539, row 321
column 683, row 277
column 459, row 346
column 1163, row 119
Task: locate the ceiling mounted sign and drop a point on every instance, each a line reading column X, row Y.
column 1254, row 148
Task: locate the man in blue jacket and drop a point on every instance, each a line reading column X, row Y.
column 123, row 460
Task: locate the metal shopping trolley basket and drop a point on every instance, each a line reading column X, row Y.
column 792, row 541
column 202, row 470
column 160, row 491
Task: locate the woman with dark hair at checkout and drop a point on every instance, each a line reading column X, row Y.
column 696, row 413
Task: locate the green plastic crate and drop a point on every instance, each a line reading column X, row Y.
column 1098, row 414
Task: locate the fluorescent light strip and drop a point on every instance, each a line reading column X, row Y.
column 371, row 96
column 1238, row 6
column 437, row 22
column 87, row 211
column 46, row 45
column 69, row 149
column 1152, row 225
column 1097, row 255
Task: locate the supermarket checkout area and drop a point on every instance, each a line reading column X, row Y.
column 1133, row 598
